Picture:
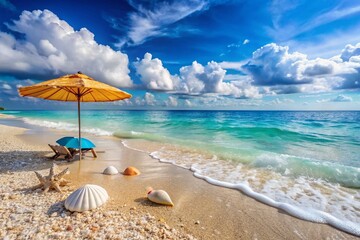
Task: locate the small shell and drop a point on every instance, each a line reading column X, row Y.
column 110, row 170
column 160, row 196
column 86, row 198
column 131, row 171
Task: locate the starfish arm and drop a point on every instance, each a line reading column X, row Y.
column 61, row 174
column 57, row 188
column 52, row 170
column 40, row 177
column 63, row 182
column 37, row 186
column 46, row 187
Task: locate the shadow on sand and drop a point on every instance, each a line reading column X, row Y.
column 18, row 161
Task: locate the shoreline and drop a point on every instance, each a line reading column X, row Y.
column 218, row 211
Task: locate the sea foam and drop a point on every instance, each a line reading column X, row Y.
column 299, row 201
column 305, row 214
column 66, row 126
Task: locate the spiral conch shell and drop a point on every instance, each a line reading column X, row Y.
column 110, row 170
column 86, row 198
column 159, row 196
column 131, row 171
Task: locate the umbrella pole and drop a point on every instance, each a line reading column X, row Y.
column 79, row 121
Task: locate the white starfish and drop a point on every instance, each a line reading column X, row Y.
column 52, row 181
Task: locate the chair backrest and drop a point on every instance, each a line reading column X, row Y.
column 62, row 150
column 52, row 147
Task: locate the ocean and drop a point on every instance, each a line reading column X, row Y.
column 305, row 163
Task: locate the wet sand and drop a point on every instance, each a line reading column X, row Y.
column 200, row 209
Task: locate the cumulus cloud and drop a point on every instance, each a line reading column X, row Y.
column 272, row 70
column 50, row 47
column 145, row 101
column 349, row 60
column 171, row 101
column 9, row 87
column 195, row 79
column 202, row 79
column 150, row 99
column 153, row 74
column 350, row 51
column 275, row 67
column 246, row 41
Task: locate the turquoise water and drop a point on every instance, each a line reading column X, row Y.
column 307, row 159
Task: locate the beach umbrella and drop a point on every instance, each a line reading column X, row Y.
column 62, row 141
column 74, row 88
column 73, row 142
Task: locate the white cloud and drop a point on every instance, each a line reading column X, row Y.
column 350, row 51
column 210, row 79
column 232, row 65
column 194, row 79
column 171, row 102
column 282, row 101
column 272, row 70
column 284, row 72
column 276, row 101
column 323, row 100
column 233, row 45
column 274, row 65
column 342, row 98
column 339, row 98
column 51, row 47
column 202, row 79
column 150, row 99
column 153, row 74
column 246, row 41
column 188, row 103
column 6, row 86
column 152, row 18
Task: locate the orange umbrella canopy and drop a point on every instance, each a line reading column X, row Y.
column 74, row 87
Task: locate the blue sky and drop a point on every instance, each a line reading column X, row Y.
column 194, row 54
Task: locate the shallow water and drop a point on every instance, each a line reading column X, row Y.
column 309, row 160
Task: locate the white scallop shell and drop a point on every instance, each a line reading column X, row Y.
column 161, row 197
column 86, row 198
column 110, row 170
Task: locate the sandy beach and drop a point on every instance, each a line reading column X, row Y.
column 201, row 210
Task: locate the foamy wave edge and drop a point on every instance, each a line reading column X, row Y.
column 311, row 215
column 66, row 126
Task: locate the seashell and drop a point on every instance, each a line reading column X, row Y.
column 159, row 196
column 110, row 170
column 86, row 198
column 131, row 171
